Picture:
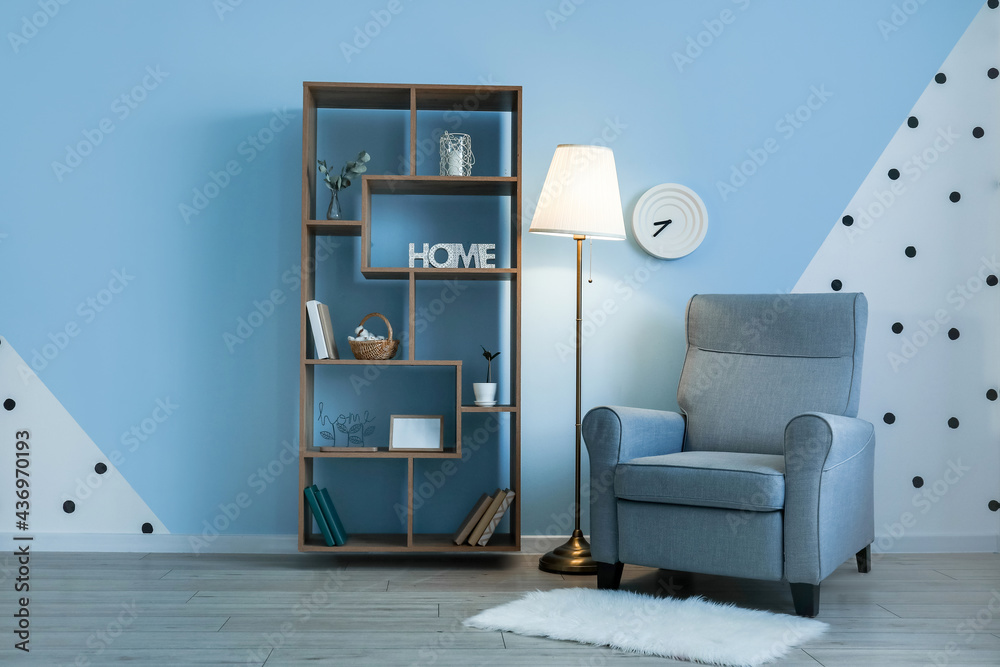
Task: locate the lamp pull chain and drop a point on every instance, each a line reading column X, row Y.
column 591, row 278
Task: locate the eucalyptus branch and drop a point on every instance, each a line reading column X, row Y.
column 352, row 169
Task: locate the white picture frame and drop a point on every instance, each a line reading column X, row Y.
column 416, row 433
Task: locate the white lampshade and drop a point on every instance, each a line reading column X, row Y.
column 580, row 196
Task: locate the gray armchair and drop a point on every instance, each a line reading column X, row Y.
column 768, row 474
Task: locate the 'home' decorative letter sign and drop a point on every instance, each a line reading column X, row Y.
column 479, row 254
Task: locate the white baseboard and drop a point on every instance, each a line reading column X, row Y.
column 542, row 544
column 166, row 544
column 288, row 544
column 938, row 544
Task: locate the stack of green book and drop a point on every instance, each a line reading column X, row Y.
column 326, row 516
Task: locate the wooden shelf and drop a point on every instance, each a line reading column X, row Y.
column 422, row 543
column 381, row 362
column 431, row 273
column 412, row 99
column 464, row 98
column 334, row 227
column 359, row 543
column 432, row 542
column 381, row 453
column 442, row 185
column 405, row 97
column 358, row 95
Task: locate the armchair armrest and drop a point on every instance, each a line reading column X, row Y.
column 614, row 434
column 829, row 493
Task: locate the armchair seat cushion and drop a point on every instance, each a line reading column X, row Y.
column 727, row 480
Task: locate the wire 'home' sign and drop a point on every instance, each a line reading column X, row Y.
column 479, row 254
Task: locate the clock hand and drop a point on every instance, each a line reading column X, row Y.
column 662, row 225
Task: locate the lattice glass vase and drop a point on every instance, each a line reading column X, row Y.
column 456, row 154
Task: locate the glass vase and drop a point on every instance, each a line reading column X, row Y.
column 333, row 211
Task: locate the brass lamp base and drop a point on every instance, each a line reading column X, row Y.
column 573, row 557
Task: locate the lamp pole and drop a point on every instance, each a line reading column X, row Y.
column 573, row 557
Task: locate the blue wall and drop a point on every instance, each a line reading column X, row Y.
column 205, row 87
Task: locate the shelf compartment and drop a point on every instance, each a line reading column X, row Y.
column 431, row 273
column 380, row 453
column 441, row 185
column 334, row 227
column 492, row 408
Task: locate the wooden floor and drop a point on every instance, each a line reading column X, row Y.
column 279, row 611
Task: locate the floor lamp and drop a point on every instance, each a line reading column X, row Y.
column 580, row 198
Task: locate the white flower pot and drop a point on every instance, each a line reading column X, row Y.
column 486, row 393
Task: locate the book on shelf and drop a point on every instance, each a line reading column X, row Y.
column 484, row 521
column 495, row 521
column 331, row 516
column 316, row 327
column 471, row 519
column 317, row 513
column 326, row 324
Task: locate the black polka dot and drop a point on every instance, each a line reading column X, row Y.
column 9, row 404
column 912, row 121
column 100, row 468
column 994, row 506
column 940, row 77
column 910, row 251
column 954, row 333
column 978, row 132
column 953, row 422
column 836, row 285
column 991, row 280
column 955, row 196
column 894, row 174
column 918, row 482
column 147, row 528
column 889, row 418
column 993, row 72
column 69, row 507
column 897, row 327
column 991, row 394
column 992, row 4
column 847, row 220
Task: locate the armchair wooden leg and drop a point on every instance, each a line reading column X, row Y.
column 609, row 575
column 864, row 560
column 806, row 599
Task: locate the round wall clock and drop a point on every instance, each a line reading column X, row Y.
column 669, row 221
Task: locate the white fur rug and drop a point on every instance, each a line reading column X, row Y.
column 690, row 629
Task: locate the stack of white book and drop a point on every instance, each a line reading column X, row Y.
column 322, row 330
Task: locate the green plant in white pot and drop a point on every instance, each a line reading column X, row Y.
column 486, row 392
column 352, row 169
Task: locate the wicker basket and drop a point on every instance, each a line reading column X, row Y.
column 375, row 349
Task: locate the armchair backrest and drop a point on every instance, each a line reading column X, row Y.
column 755, row 361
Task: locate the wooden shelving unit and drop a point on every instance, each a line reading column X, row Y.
column 413, row 98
